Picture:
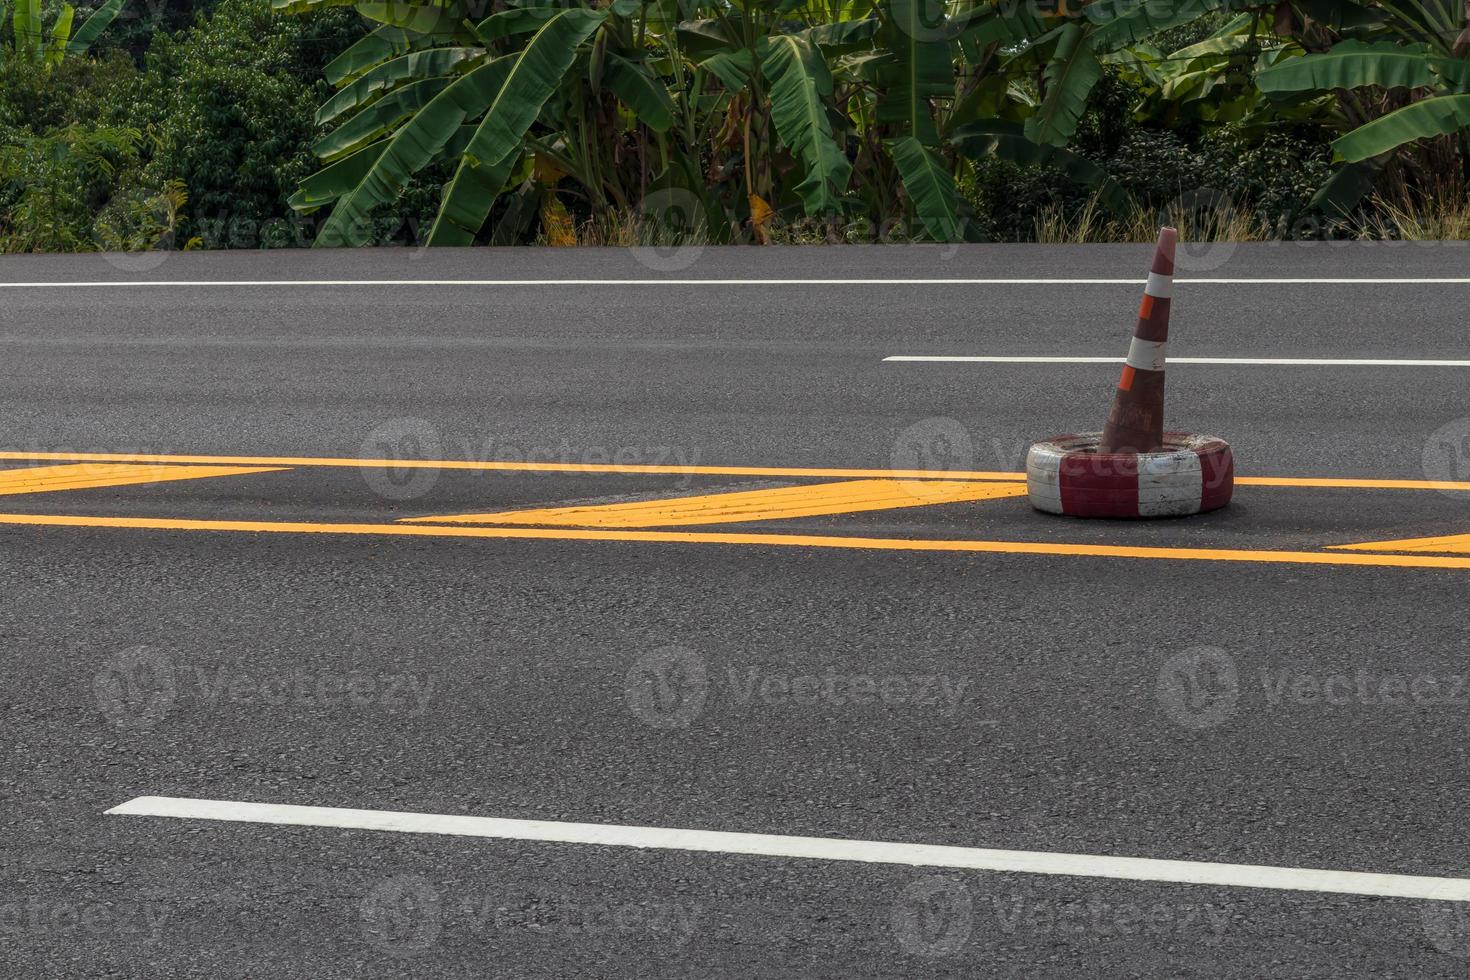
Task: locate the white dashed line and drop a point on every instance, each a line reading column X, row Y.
column 1261, row 361
column 163, row 283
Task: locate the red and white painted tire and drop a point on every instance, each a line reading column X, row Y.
column 1192, row 474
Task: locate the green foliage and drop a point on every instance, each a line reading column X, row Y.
column 28, row 38
column 229, row 105
column 52, row 184
column 350, row 122
column 71, row 159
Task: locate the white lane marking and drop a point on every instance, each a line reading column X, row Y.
column 1303, row 361
column 728, row 282
column 816, row 848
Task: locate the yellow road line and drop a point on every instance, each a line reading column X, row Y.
column 806, row 500
column 1448, row 544
column 83, row 476
column 655, row 470
column 759, row 540
column 1351, row 484
column 527, row 466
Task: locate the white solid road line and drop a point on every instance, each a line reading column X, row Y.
column 728, row 282
column 814, row 848
column 1306, row 361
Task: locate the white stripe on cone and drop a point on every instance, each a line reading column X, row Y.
column 1146, row 355
column 1159, row 286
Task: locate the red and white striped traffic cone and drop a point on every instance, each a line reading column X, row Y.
column 1133, row 468
column 1136, row 422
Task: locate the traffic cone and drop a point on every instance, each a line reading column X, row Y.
column 1136, row 422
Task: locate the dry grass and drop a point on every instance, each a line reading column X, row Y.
column 1217, row 222
column 1432, row 219
column 1425, row 217
column 630, row 228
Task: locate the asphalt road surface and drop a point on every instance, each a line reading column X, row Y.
column 273, row 552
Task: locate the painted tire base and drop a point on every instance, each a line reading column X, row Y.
column 1192, row 474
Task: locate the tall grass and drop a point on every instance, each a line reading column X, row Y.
column 1093, row 224
column 1426, row 217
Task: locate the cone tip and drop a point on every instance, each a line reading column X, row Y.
column 1168, row 239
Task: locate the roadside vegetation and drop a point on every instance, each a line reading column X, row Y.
column 451, row 122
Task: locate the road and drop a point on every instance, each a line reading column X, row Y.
column 225, row 589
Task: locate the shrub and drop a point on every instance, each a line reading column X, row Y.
column 229, row 108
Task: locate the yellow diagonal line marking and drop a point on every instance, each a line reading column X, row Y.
column 811, row 500
column 691, row 470
column 757, row 540
column 83, row 476
column 1454, row 544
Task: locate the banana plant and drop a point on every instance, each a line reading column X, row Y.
column 743, row 111
column 428, row 86
column 1396, row 71
column 30, row 41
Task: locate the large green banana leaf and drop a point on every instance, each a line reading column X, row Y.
column 702, row 38
column 411, row 149
column 922, row 69
column 1005, row 24
column 432, row 63
column 330, row 183
column 1121, row 23
column 445, row 23
column 641, row 91
column 25, row 25
column 931, row 188
column 1070, row 75
column 1351, row 64
column 537, row 71
column 379, row 118
column 800, row 84
column 1430, row 117
column 60, row 31
column 306, row 6
column 844, row 34
column 93, row 27
column 1350, row 184
column 517, row 20
column 382, row 44
column 732, row 68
